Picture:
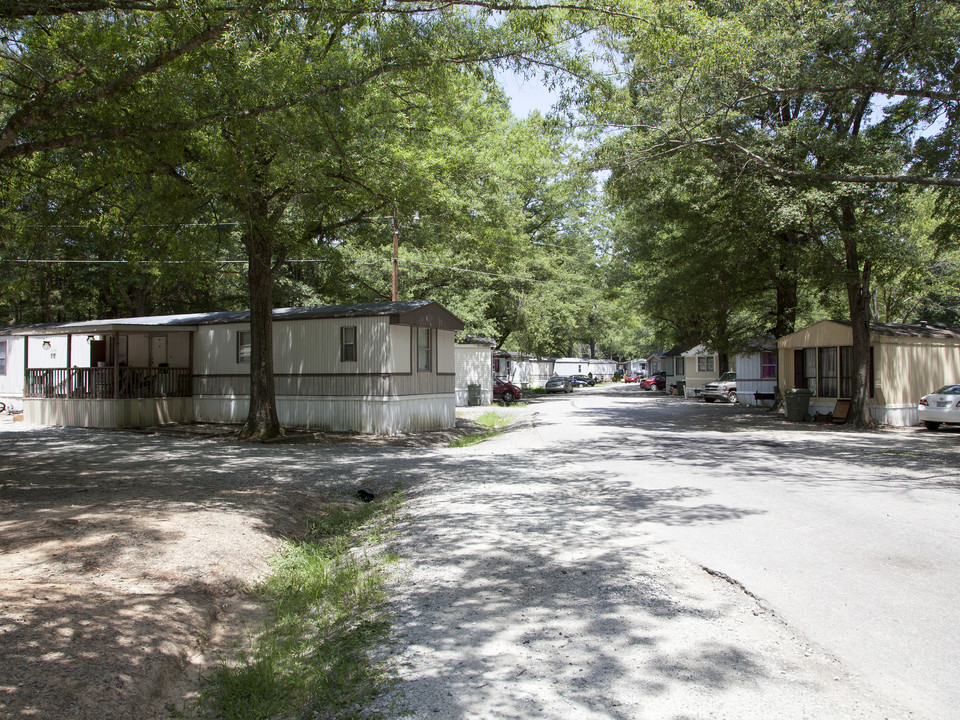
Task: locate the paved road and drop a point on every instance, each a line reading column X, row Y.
column 853, row 538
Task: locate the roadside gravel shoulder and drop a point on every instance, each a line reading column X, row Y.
column 526, row 592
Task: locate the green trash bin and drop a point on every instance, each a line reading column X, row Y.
column 681, row 388
column 797, row 403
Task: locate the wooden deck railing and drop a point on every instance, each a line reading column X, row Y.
column 87, row 383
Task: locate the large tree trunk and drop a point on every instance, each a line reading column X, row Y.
column 858, row 296
column 262, row 421
column 785, row 284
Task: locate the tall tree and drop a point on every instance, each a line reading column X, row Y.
column 798, row 92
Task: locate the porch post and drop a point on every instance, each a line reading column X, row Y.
column 193, row 339
column 26, row 364
column 116, row 364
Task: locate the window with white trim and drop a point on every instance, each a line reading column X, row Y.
column 706, row 364
column 423, row 349
column 243, row 346
column 768, row 365
column 3, row 357
column 348, row 343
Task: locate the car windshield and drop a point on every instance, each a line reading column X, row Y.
column 948, row 390
column 727, row 377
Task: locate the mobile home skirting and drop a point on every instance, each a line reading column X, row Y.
column 107, row 413
column 374, row 415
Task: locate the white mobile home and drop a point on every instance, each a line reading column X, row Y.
column 473, row 368
column 600, row 369
column 636, row 366
column 757, row 373
column 380, row 368
column 11, row 370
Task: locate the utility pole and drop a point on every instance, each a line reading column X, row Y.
column 396, row 252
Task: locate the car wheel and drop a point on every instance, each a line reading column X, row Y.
column 732, row 397
column 931, row 425
column 508, row 397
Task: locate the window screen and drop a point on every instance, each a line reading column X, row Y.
column 243, row 346
column 348, row 344
column 827, row 385
column 768, row 365
column 423, row 349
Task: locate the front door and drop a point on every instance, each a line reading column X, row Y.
column 158, row 350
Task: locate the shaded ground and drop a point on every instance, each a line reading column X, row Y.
column 538, row 583
column 122, row 555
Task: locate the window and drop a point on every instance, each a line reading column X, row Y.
column 243, row 346
column 679, row 366
column 348, row 344
column 768, row 365
column 3, row 357
column 846, row 371
column 810, row 369
column 827, row 370
column 706, row 365
column 423, row 349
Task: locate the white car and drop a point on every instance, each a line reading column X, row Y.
column 942, row 406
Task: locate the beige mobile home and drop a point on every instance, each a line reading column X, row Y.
column 379, row 368
column 907, row 362
column 700, row 367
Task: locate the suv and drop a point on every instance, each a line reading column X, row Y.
column 723, row 388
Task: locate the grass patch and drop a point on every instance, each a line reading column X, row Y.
column 312, row 657
column 494, row 421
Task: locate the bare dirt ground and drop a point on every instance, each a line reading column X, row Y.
column 124, row 557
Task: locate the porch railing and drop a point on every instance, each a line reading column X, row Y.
column 95, row 383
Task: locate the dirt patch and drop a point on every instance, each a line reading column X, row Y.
column 124, row 558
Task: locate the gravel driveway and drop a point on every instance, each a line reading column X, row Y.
column 532, row 590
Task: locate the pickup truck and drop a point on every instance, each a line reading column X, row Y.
column 723, row 388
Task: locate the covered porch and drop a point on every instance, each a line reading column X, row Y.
column 112, row 374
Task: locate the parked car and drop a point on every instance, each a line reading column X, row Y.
column 508, row 392
column 940, row 407
column 723, row 388
column 655, row 382
column 631, row 377
column 558, row 384
column 582, row 381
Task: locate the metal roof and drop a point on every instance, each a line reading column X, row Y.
column 191, row 321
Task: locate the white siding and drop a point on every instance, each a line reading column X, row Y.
column 474, row 368
column 11, row 383
column 299, row 347
column 749, row 381
column 52, row 356
column 380, row 416
column 445, row 353
column 532, row 373
column 138, row 350
column 107, row 413
column 571, row 366
column 604, row 369
column 401, row 351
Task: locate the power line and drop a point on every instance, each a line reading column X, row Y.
column 307, row 260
